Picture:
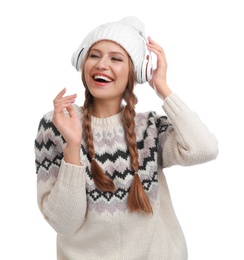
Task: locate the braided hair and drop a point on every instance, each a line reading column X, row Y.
column 137, row 198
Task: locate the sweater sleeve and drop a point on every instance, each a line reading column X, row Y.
column 190, row 142
column 61, row 191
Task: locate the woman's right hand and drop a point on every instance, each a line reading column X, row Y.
column 69, row 125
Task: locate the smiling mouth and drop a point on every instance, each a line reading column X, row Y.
column 103, row 79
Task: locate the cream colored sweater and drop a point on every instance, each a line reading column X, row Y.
column 94, row 225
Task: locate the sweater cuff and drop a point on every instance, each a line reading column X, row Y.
column 71, row 175
column 173, row 105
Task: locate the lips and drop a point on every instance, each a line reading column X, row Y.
column 102, row 78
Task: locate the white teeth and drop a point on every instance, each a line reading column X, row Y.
column 102, row 77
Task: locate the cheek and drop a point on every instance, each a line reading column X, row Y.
column 124, row 74
column 86, row 71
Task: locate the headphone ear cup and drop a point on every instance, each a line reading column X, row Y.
column 142, row 72
column 76, row 58
column 149, row 70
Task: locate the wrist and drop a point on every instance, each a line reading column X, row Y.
column 72, row 154
column 162, row 91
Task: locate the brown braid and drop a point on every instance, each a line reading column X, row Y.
column 137, row 199
column 102, row 181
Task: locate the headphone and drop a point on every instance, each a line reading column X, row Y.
column 145, row 69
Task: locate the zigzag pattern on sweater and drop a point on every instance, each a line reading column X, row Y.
column 49, row 149
column 111, row 153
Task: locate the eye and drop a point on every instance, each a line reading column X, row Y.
column 93, row 55
column 116, row 59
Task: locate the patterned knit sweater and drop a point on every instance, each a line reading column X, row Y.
column 94, row 225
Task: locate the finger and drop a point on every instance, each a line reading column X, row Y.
column 57, row 99
column 159, row 52
column 60, row 99
column 63, row 103
column 151, row 42
column 71, row 111
column 67, row 99
column 152, row 45
column 60, row 94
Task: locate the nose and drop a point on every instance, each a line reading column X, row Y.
column 103, row 63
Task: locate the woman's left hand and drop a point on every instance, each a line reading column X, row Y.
column 158, row 81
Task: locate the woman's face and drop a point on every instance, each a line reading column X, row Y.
column 106, row 70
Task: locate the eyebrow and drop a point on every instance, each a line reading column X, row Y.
column 112, row 52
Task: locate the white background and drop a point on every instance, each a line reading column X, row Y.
column 203, row 41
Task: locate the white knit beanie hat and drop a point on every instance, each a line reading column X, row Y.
column 128, row 32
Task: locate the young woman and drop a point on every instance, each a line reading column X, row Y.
column 100, row 180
